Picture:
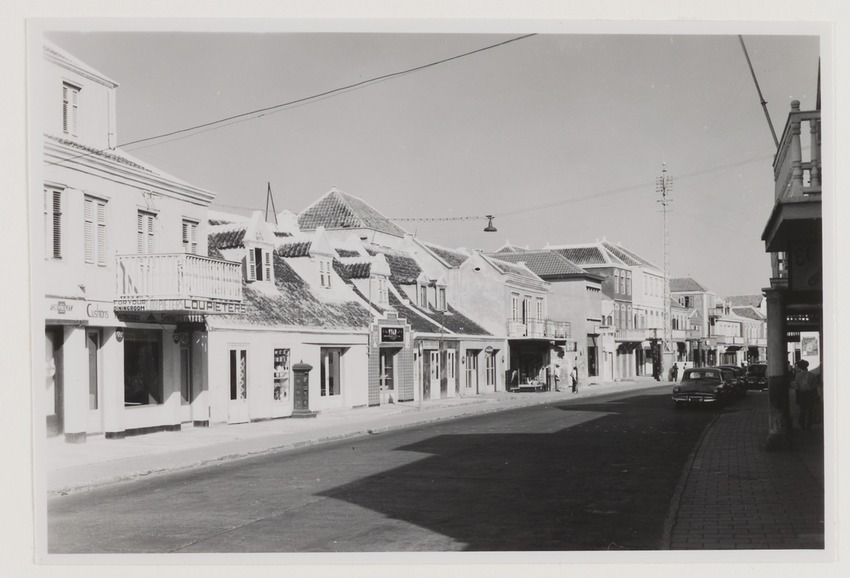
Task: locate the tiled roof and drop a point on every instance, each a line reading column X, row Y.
column 281, row 234
column 453, row 258
column 297, row 249
column 749, row 312
column 403, row 269
column 347, row 253
column 507, row 267
column 544, row 263
column 227, row 236
column 626, row 256
column 685, row 284
column 337, row 210
column 361, row 270
column 583, row 256
column 294, row 304
column 457, row 322
column 745, row 300
column 417, row 322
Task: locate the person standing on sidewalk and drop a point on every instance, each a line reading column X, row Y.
column 805, row 385
column 574, row 379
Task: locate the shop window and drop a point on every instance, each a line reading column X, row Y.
column 70, row 108
column 142, row 367
column 94, row 230
column 52, row 223
column 281, row 375
column 330, row 374
column 238, row 374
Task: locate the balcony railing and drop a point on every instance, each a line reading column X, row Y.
column 632, row 334
column 685, row 334
column 543, row 328
column 795, row 177
column 177, row 282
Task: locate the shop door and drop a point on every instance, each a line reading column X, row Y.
column 95, row 420
column 434, row 373
column 186, row 393
column 238, row 408
column 282, row 394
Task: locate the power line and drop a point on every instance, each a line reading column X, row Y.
column 321, row 95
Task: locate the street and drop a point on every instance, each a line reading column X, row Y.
column 591, row 474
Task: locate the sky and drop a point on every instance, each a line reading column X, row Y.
column 560, row 136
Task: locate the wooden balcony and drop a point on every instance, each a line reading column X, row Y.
column 177, row 283
column 797, row 200
column 633, row 335
column 539, row 328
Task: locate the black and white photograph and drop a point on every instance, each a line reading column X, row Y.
column 430, row 292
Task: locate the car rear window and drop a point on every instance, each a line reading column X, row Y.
column 702, row 375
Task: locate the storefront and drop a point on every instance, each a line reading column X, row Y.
column 391, row 361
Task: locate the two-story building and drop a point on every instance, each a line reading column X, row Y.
column 702, row 305
column 574, row 302
column 126, row 281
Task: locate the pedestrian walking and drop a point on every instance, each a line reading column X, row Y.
column 674, row 373
column 805, row 385
column 574, row 379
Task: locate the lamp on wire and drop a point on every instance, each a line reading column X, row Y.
column 490, row 228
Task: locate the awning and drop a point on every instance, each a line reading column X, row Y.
column 731, row 348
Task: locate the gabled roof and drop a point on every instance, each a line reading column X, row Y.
column 294, row 249
column 404, row 269
column 452, row 257
column 543, row 263
column 338, row 210
column 509, row 248
column 685, row 284
column 588, row 255
column 506, row 267
column 347, row 253
column 355, row 270
column 749, row 312
column 228, row 236
column 59, row 55
column 626, row 256
column 745, row 300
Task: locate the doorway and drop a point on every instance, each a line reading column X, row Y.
column 93, row 353
column 55, row 397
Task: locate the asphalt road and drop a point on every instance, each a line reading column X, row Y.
column 591, row 474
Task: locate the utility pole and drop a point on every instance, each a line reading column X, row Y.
column 664, row 186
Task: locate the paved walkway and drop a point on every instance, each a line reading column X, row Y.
column 736, row 495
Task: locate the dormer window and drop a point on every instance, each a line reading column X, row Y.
column 259, row 264
column 423, row 296
column 325, row 273
column 70, row 106
column 441, row 298
column 382, row 291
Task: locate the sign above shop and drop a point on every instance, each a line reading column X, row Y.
column 179, row 306
column 392, row 334
column 80, row 310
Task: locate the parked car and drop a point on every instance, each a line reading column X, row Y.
column 756, row 377
column 703, row 385
column 736, row 375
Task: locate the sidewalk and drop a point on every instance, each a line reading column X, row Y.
column 75, row 467
column 736, row 495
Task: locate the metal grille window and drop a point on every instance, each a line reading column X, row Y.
column 52, row 223
column 94, row 230
column 190, row 237
column 145, row 227
column 70, row 108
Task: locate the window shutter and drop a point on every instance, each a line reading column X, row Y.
column 150, row 219
column 268, row 265
column 88, row 230
column 194, row 239
column 186, row 248
column 252, row 266
column 47, row 222
column 64, row 108
column 140, row 237
column 101, row 233
column 57, row 224
column 75, row 95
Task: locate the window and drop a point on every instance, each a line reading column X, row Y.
column 490, row 368
column 325, row 273
column 142, row 367
column 526, row 309
column 616, row 281
column 386, row 378
column 330, row 384
column 190, row 237
column 52, row 223
column 259, row 264
column 145, row 232
column 281, row 374
column 472, row 369
column 539, row 309
column 380, row 284
column 628, row 324
column 238, row 375
column 441, row 298
column 94, row 230
column 423, row 296
column 70, row 106
column 451, row 360
column 628, row 283
column 514, row 306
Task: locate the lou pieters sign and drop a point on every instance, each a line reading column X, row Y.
column 392, row 334
column 206, row 306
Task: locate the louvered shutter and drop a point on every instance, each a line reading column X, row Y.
column 65, row 108
column 268, row 265
column 150, row 247
column 57, row 224
column 75, row 95
column 88, row 230
column 186, row 248
column 101, row 233
column 194, row 238
column 252, row 266
column 140, row 237
column 47, row 225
